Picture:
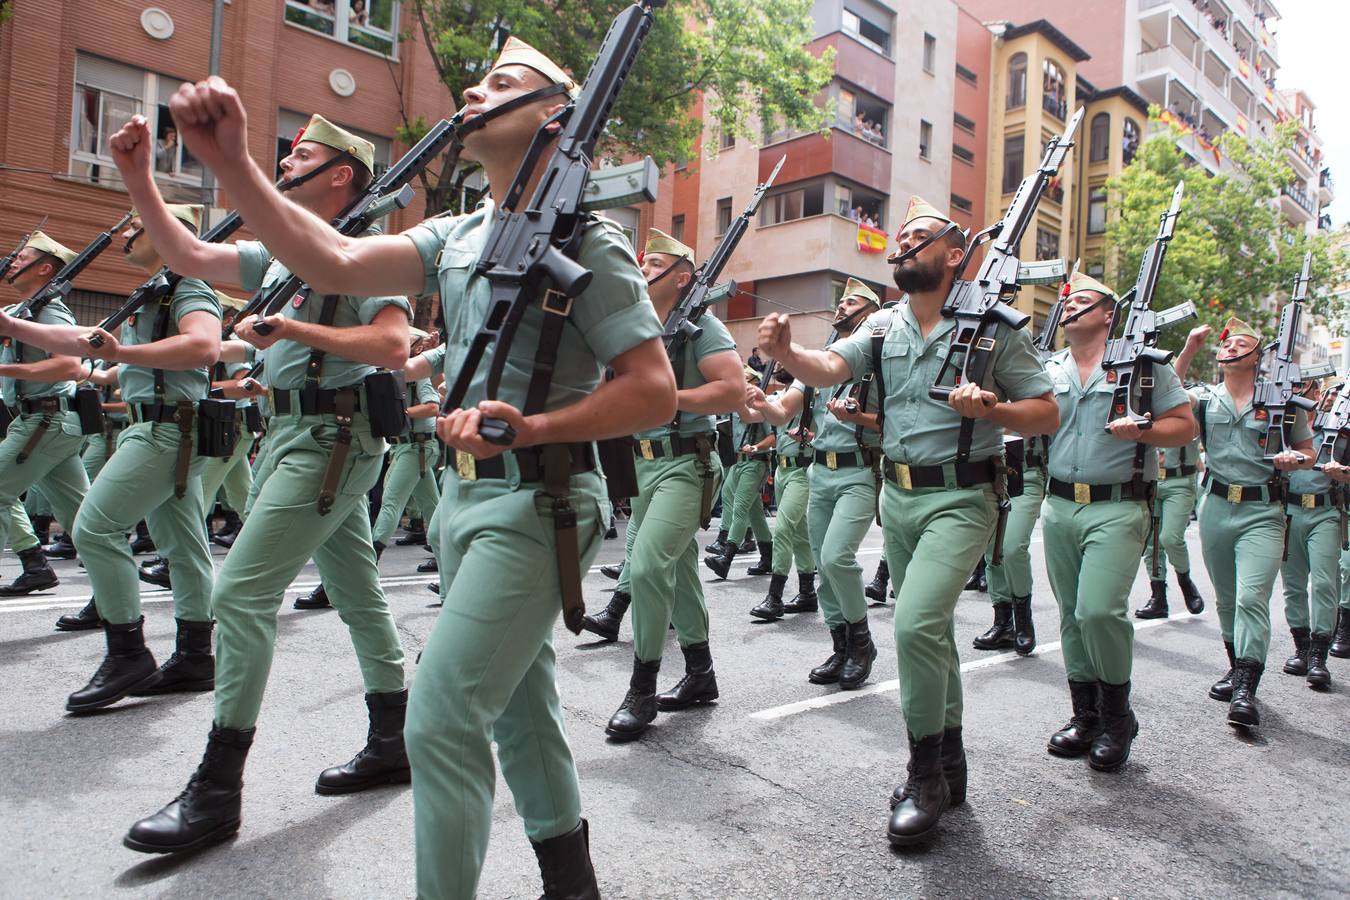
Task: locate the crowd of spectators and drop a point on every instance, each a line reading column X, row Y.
column 865, row 128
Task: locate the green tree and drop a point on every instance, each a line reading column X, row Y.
column 746, row 60
column 1232, row 251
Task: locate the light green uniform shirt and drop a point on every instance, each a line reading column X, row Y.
column 1310, row 481
column 138, row 382
column 435, row 357
column 920, row 430
column 714, row 339
column 1233, row 438
column 1187, row 455
column 1082, row 451
column 12, row 389
column 287, row 360
column 787, row 443
column 833, row 435
column 419, row 392
column 743, row 432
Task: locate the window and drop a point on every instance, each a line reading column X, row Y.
column 1014, row 148
column 289, row 122
column 966, row 75
column 961, row 204
column 1017, row 81
column 794, row 203
column 865, row 32
column 836, row 292
column 1129, row 140
column 723, row 215
column 925, row 140
column 964, row 154
column 1047, row 244
column 1096, row 270
column 1096, row 215
column 372, row 24
column 964, row 123
column 107, row 94
column 861, row 115
column 677, row 227
column 862, row 206
column 1100, row 138
column 1054, row 99
column 929, row 53
column 725, row 140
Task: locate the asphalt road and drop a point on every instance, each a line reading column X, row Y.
column 777, row 791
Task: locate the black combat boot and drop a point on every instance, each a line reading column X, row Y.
column 977, row 580
column 315, row 599
column 157, row 574
column 1242, row 709
column 1195, row 604
column 1318, row 674
column 771, row 607
column 1222, row 690
column 612, row 572
column 1111, row 748
column 1156, row 607
column 1077, row 735
column 828, row 671
column 638, row 709
column 747, row 543
column 383, row 759
column 699, row 684
column 36, row 575
column 207, row 812
column 42, row 528
column 925, row 794
column 860, row 656
column 953, row 768
column 1298, row 663
column 190, row 668
column 806, row 600
column 765, row 564
column 718, row 545
column 721, row 565
column 876, row 588
column 414, row 536
column 1001, row 635
column 127, row 665
column 229, row 530
column 1024, row 629
column 428, row 565
column 143, row 542
column 606, row 622
column 1340, row 641
column 565, row 865
column 61, row 548
column 87, row 619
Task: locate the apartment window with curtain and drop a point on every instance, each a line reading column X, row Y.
column 372, row 24
column 1047, row 244
column 1054, row 96
column 1014, row 151
column 1099, row 138
column 1017, row 81
column 723, row 215
column 677, row 227
column 1096, row 215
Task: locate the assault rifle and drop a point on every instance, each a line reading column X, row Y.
column 8, row 261
column 1333, row 420
column 1133, row 355
column 1275, row 394
column 541, row 242
column 390, row 191
column 980, row 306
column 59, row 284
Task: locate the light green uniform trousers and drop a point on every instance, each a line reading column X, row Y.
column 791, row 537
column 1242, row 544
column 1092, row 557
column 1012, row 579
column 934, row 537
column 261, row 463
column 1174, row 504
column 1314, row 552
column 1345, row 579
column 487, row 674
column 664, row 579
column 283, row 531
column 409, row 475
column 231, row 473
column 21, row 534
column 54, row 463
column 625, row 584
column 97, row 452
column 841, row 509
column 137, row 483
column 433, row 525
column 745, row 480
column 37, row 504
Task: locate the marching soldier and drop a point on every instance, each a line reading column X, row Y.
column 937, row 515
column 843, row 500
column 678, row 470
column 745, row 483
column 323, row 457
column 1010, row 582
column 411, row 472
column 37, row 574
column 487, row 671
column 1097, row 517
column 232, row 473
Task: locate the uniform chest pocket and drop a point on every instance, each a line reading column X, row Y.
column 454, row 271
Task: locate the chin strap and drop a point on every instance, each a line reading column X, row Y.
column 922, row 245
column 1232, row 359
column 463, row 128
column 1085, row 310
column 42, row 257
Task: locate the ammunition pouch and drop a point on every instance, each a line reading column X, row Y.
column 88, row 406
column 619, row 467
column 387, row 404
column 217, row 428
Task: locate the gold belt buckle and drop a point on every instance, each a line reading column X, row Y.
column 1308, row 501
column 466, row 466
column 645, row 446
column 903, row 477
column 1162, row 473
column 1082, row 493
column 1235, row 493
column 831, row 459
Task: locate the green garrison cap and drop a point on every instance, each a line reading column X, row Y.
column 190, row 214
column 516, row 52
column 228, row 302
column 920, row 208
column 321, row 131
column 1238, row 328
column 416, row 333
column 1081, row 282
column 855, row 288
column 660, row 242
column 39, row 241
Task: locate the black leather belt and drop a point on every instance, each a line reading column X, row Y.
column 1178, row 471
column 311, row 403
column 1096, row 493
column 832, row 460
column 1237, row 493
column 420, row 437
column 674, row 445
column 1309, row 501
column 42, row 405
column 153, row 412
column 794, row 462
column 966, row 474
column 529, row 461
column 747, row 457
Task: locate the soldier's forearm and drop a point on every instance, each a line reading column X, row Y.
column 816, row 368
column 1035, row 415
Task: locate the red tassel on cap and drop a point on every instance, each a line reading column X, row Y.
column 299, row 136
column 1223, row 335
column 1064, row 291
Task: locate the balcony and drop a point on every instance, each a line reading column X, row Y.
column 1326, row 188
column 1324, row 222
column 1296, row 205
column 859, row 64
column 1304, row 163
column 811, row 156
column 812, row 244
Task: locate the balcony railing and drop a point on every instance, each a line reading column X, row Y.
column 1299, row 196
column 1324, row 180
column 1324, row 222
column 1055, row 107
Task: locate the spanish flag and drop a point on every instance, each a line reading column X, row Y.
column 871, row 240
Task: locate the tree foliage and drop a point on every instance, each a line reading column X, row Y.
column 746, row 60
column 1232, row 251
